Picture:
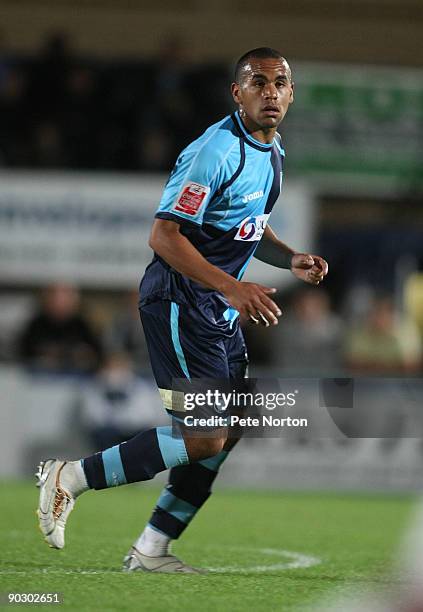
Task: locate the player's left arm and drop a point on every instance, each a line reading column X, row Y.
column 309, row 268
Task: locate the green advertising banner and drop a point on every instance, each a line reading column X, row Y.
column 358, row 122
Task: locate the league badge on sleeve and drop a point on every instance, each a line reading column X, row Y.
column 191, row 198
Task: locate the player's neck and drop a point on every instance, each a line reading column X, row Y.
column 264, row 135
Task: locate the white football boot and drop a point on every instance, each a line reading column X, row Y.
column 167, row 564
column 55, row 503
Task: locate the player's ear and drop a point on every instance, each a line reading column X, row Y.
column 291, row 98
column 235, row 90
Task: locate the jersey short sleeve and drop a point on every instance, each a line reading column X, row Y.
column 192, row 183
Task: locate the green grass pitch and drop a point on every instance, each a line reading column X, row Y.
column 354, row 537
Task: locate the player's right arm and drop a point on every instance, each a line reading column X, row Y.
column 250, row 299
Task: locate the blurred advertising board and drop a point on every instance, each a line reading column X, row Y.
column 93, row 229
column 358, row 122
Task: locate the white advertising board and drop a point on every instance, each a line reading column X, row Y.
column 92, row 229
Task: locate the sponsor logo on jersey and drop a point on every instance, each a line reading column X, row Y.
column 191, row 198
column 252, row 228
column 252, row 196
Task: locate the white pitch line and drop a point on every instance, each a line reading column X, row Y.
column 56, row 570
column 294, row 560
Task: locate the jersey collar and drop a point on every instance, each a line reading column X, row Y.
column 261, row 146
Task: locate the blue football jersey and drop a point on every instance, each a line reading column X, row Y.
column 221, row 192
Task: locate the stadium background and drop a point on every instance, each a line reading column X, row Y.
column 96, row 100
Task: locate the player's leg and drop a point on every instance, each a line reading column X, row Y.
column 141, row 458
column 189, row 486
column 138, row 459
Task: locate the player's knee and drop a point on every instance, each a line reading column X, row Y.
column 202, row 448
column 213, row 446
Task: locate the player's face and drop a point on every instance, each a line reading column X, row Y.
column 264, row 93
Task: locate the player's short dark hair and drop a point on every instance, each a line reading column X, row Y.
column 259, row 53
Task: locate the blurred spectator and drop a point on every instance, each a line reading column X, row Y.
column 383, row 343
column 5, row 58
column 16, row 309
column 155, row 149
column 413, row 299
column 49, row 75
column 163, row 123
column 116, row 405
column 80, row 113
column 308, row 339
column 58, row 339
column 48, row 146
column 125, row 334
column 14, row 138
column 173, row 97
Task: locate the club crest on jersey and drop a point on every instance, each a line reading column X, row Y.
column 252, row 228
column 191, row 198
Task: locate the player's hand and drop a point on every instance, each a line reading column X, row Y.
column 253, row 302
column 309, row 268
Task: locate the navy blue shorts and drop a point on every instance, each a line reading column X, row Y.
column 182, row 345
